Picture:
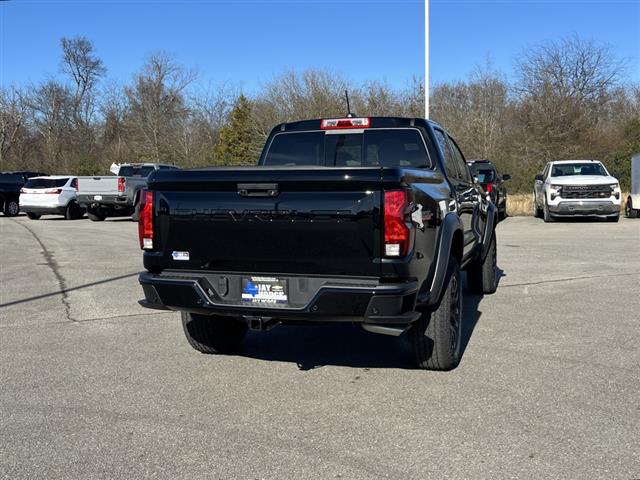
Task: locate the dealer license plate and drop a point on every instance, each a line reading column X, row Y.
column 264, row 291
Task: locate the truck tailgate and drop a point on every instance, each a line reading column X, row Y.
column 106, row 184
column 270, row 220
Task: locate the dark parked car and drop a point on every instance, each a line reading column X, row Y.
column 362, row 220
column 492, row 182
column 10, row 185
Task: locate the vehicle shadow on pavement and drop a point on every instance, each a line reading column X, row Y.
column 471, row 312
column 345, row 345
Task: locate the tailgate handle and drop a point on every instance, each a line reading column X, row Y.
column 258, row 189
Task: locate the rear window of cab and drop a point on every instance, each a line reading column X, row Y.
column 371, row 148
column 46, row 182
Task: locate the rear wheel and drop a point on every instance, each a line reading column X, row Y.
column 73, row 211
column 483, row 276
column 436, row 337
column 33, row 216
column 213, row 333
column 11, row 208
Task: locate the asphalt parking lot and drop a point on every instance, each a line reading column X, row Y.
column 94, row 386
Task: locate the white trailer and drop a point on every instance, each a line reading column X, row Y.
column 632, row 207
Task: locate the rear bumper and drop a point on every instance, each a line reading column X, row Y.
column 42, row 210
column 314, row 299
column 586, row 207
column 109, row 199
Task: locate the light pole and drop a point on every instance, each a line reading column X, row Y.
column 426, row 59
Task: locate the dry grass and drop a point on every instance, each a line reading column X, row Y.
column 521, row 204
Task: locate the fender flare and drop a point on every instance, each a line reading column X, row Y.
column 433, row 286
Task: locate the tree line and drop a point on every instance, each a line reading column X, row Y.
column 565, row 99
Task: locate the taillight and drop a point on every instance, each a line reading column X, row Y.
column 75, row 183
column 54, row 191
column 145, row 220
column 121, row 181
column 396, row 231
column 22, row 190
column 489, row 187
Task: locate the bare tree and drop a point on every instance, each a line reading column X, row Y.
column 156, row 102
column 85, row 69
column 564, row 89
column 114, row 135
column 13, row 113
column 51, row 104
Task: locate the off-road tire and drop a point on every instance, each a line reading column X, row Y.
column 482, row 277
column 33, row 216
column 436, row 337
column 73, row 211
column 213, row 333
column 11, row 208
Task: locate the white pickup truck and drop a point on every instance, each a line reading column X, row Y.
column 632, row 207
column 576, row 188
column 115, row 195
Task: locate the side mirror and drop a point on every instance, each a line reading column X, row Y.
column 506, row 177
column 539, row 178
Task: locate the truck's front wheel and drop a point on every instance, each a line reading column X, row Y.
column 437, row 336
column 213, row 333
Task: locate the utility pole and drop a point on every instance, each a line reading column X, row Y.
column 426, row 59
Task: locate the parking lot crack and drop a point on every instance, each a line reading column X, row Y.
column 569, row 279
column 55, row 269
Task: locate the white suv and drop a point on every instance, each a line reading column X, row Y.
column 576, row 187
column 50, row 195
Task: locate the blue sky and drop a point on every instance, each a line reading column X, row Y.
column 248, row 42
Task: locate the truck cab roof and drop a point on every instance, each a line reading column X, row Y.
column 375, row 122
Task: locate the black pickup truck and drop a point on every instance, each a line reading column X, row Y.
column 362, row 220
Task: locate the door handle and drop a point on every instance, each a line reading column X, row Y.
column 258, row 189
